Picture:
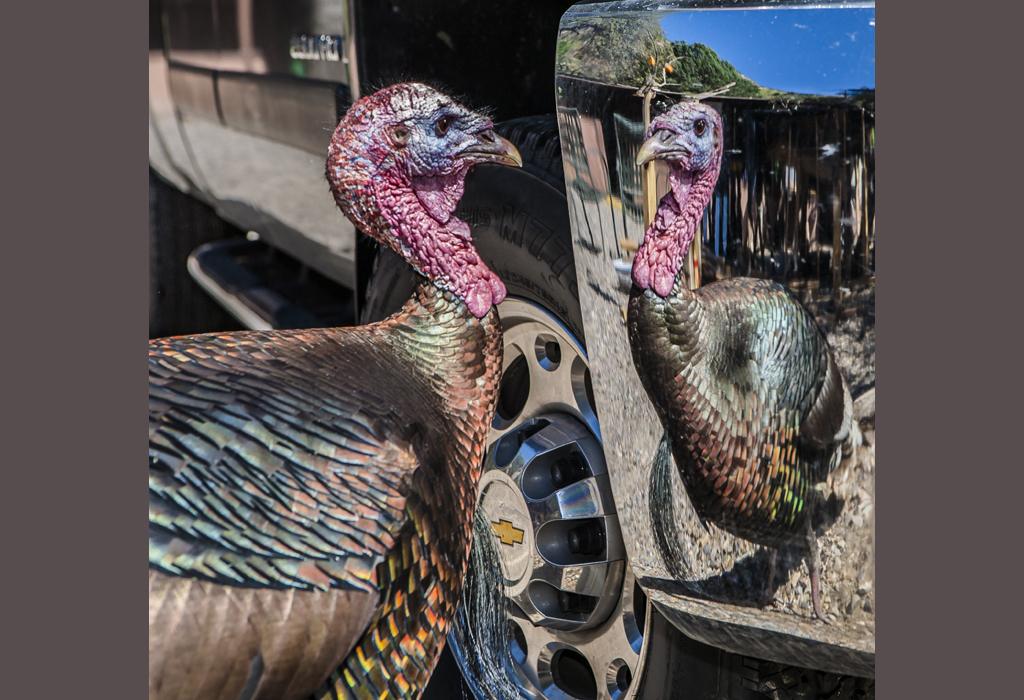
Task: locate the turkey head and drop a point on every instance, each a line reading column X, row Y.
column 689, row 138
column 397, row 165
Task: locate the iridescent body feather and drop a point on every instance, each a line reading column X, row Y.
column 751, row 399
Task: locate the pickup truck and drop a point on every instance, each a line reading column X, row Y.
column 243, row 97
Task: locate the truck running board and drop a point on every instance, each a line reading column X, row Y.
column 266, row 289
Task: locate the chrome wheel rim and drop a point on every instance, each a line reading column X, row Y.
column 575, row 615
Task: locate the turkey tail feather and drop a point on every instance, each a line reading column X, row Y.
column 831, row 414
column 664, row 521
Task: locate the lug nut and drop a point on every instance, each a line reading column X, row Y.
column 557, row 474
column 570, row 468
column 586, row 539
column 575, row 603
column 553, row 351
column 623, row 678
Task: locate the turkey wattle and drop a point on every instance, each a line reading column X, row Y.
column 751, row 399
column 312, row 492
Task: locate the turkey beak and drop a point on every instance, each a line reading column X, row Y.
column 662, row 144
column 488, row 147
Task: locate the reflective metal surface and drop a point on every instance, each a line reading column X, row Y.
column 546, row 494
column 794, row 203
column 319, row 47
column 546, row 497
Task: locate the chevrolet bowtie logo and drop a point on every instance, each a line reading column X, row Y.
column 507, row 532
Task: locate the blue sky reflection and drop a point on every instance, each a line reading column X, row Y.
column 819, row 51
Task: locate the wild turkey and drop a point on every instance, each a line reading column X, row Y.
column 312, row 492
column 746, row 387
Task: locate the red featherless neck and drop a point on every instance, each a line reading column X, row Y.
column 443, row 253
column 374, row 184
column 668, row 238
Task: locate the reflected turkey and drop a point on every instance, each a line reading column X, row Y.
column 753, row 404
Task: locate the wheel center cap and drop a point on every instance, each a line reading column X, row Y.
column 503, row 504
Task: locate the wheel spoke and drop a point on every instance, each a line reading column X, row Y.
column 587, row 579
column 579, row 500
column 550, row 387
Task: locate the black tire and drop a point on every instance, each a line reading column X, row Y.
column 520, row 223
column 677, row 666
column 178, row 224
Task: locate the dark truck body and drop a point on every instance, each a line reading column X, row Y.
column 244, row 96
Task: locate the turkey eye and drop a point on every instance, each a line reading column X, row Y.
column 442, row 125
column 700, row 126
column 400, row 134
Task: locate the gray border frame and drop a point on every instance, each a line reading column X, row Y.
column 949, row 354
column 75, row 325
column 74, row 124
